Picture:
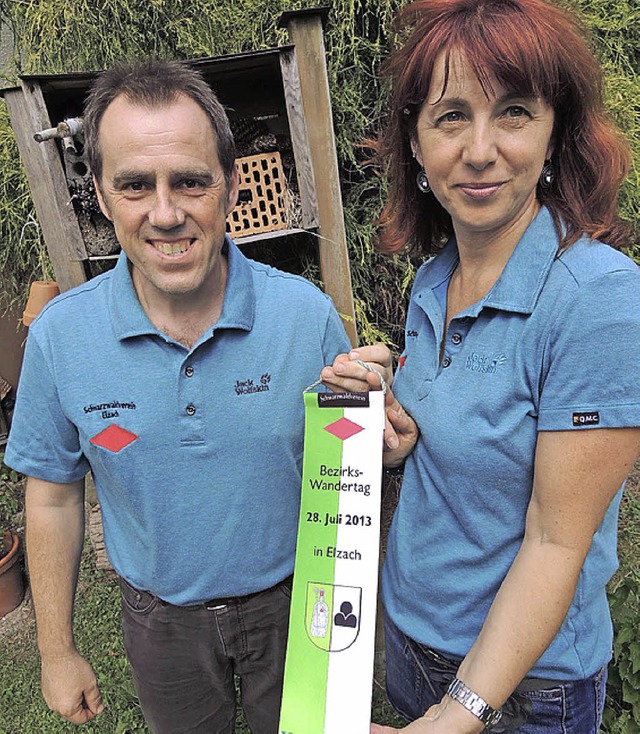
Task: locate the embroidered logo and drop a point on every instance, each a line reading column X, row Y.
column 484, row 362
column 109, row 410
column 586, row 419
column 247, row 387
column 412, row 332
column 113, row 438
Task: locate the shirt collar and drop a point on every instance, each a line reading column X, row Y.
column 519, row 285
column 238, row 307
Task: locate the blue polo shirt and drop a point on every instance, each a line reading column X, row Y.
column 554, row 346
column 196, row 454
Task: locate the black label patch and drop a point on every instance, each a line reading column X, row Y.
column 343, row 399
column 586, row 419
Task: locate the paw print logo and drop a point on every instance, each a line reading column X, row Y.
column 265, row 379
column 499, row 360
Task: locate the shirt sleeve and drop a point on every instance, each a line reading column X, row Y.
column 592, row 358
column 43, row 443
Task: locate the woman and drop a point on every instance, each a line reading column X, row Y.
column 520, row 368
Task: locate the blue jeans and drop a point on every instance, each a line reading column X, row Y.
column 418, row 677
column 184, row 660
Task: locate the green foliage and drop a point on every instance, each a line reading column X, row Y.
column 623, row 697
column 21, row 251
column 11, row 495
column 615, row 28
column 622, row 714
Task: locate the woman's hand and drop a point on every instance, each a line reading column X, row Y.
column 400, row 432
column 446, row 717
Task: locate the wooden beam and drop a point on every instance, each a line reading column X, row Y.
column 305, row 32
column 299, row 138
column 48, row 185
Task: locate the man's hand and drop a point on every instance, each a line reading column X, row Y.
column 70, row 688
column 347, row 375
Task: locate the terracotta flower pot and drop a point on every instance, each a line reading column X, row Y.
column 42, row 291
column 11, row 579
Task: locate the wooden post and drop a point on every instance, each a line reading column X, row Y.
column 299, row 138
column 49, row 190
column 305, row 32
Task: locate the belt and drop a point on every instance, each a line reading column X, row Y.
column 227, row 601
column 450, row 666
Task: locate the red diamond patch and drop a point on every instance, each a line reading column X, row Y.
column 343, row 428
column 113, row 438
column 401, row 362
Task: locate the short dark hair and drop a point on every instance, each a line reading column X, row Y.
column 531, row 47
column 155, row 83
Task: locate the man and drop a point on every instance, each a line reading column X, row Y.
column 176, row 378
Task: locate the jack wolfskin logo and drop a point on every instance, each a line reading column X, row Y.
column 247, row 387
column 485, row 362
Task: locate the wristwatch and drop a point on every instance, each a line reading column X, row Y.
column 474, row 703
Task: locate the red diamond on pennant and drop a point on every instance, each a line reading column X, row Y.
column 343, row 428
column 113, row 438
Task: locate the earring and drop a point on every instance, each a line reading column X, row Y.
column 548, row 175
column 423, row 182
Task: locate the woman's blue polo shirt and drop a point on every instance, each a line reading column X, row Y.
column 196, row 454
column 554, row 346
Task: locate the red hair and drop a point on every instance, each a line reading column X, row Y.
column 531, row 48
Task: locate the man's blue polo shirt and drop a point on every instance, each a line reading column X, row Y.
column 554, row 346
column 196, row 454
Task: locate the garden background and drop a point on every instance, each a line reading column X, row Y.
column 51, row 36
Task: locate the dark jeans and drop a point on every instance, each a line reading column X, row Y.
column 418, row 677
column 184, row 660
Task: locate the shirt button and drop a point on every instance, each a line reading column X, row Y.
column 446, row 361
column 456, row 338
column 191, row 409
column 188, row 371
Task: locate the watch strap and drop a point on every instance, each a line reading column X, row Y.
column 474, row 703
